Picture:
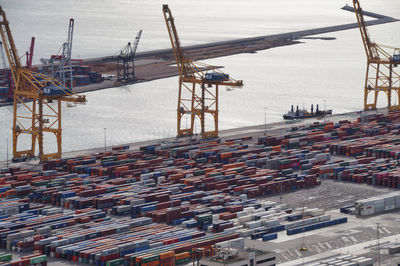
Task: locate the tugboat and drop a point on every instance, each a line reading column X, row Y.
column 303, row 113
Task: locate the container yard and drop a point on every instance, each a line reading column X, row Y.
column 121, row 206
column 318, row 191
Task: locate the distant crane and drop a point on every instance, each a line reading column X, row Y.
column 35, row 92
column 7, row 73
column 126, row 61
column 191, row 102
column 61, row 67
column 381, row 60
column 29, row 59
column 29, row 55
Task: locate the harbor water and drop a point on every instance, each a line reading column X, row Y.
column 325, row 72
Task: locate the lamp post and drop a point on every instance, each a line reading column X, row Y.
column 7, row 154
column 378, row 247
column 324, row 109
column 265, row 121
column 105, row 139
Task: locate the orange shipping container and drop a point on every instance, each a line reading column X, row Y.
column 276, row 148
column 181, row 256
column 165, row 255
column 153, row 263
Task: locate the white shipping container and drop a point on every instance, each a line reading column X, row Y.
column 324, row 218
column 215, row 217
column 312, row 220
column 317, row 212
column 346, row 257
column 276, row 209
column 390, row 207
column 249, row 209
column 237, row 243
column 268, row 204
column 367, row 211
column 244, row 232
column 270, row 211
column 254, row 224
column 350, row 263
column 270, row 223
column 365, row 262
column 341, row 263
column 242, row 213
column 283, row 206
column 245, row 219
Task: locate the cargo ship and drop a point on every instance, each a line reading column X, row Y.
column 303, row 113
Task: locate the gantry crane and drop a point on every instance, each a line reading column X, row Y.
column 8, row 96
column 126, row 61
column 381, row 61
column 60, row 65
column 34, row 112
column 198, row 89
column 29, row 60
column 29, row 55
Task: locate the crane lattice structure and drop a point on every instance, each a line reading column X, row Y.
column 126, row 61
column 198, row 89
column 381, row 61
column 34, row 113
column 61, row 65
column 29, row 55
column 7, row 73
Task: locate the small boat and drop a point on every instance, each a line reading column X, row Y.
column 303, row 113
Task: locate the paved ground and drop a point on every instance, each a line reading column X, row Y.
column 339, row 239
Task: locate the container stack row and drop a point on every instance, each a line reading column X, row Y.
column 378, row 204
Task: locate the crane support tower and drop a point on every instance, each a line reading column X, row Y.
column 7, row 73
column 29, row 55
column 126, row 61
column 37, row 103
column 381, row 75
column 198, row 87
column 61, row 65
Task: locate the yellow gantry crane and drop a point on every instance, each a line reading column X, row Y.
column 198, row 87
column 34, row 110
column 381, row 61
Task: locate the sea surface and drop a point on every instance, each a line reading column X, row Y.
column 325, row 72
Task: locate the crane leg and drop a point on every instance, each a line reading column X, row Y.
column 34, row 128
column 58, row 134
column 14, row 129
column 202, row 117
column 40, row 130
column 193, row 114
column 216, row 110
column 375, row 99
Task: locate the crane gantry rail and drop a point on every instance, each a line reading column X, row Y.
column 34, row 113
column 198, row 89
column 381, row 61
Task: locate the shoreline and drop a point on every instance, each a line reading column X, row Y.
column 255, row 131
column 158, row 64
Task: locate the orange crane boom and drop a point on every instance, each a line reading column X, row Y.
column 35, row 93
column 198, row 87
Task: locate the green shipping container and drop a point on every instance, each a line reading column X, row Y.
column 182, row 261
column 150, row 258
column 115, row 262
column 204, row 217
column 5, row 257
column 38, row 259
